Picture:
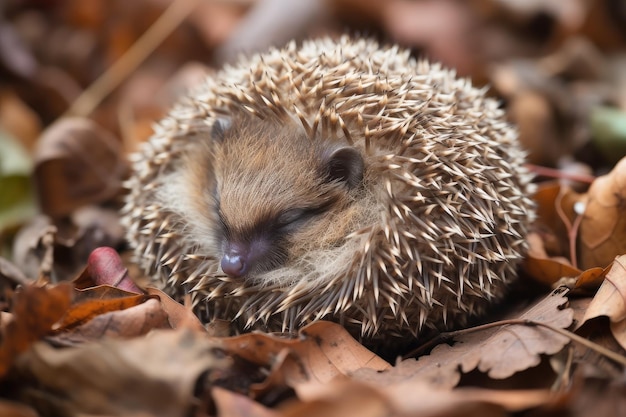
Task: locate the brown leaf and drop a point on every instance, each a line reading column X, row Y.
column 60, row 250
column 179, row 316
column 131, row 322
column 13, row 409
column 77, row 163
column 95, row 301
column 35, row 311
column 324, row 351
column 499, row 352
column 231, row 404
column 342, row 398
column 33, row 249
column 542, row 268
column 155, row 374
column 514, row 348
column 603, row 228
column 532, row 113
column 18, row 119
column 412, row 398
column 610, row 300
column 591, row 278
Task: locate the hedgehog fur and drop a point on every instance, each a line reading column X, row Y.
column 431, row 236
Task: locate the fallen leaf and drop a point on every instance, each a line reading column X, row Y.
column 155, row 374
column 610, row 300
column 603, row 227
column 14, row 409
column 60, row 250
column 131, row 322
column 592, row 394
column 412, row 398
column 95, row 301
column 543, row 268
column 35, row 311
column 33, row 248
column 18, row 119
column 323, row 351
column 342, row 398
column 76, row 163
column 591, row 279
column 232, row 404
column 514, row 348
column 498, row 352
column 178, row 315
column 556, row 215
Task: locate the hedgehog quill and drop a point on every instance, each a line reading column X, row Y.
column 338, row 180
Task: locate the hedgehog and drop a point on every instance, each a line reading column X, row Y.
column 334, row 180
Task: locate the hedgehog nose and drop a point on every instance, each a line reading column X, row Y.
column 234, row 265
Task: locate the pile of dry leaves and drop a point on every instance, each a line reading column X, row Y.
column 81, row 332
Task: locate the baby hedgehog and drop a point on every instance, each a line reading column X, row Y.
column 338, row 180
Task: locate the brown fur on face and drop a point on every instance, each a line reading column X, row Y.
column 269, row 188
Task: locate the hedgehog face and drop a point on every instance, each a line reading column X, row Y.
column 276, row 192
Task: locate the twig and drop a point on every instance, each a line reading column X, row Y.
column 171, row 18
column 446, row 336
column 556, row 173
column 572, row 227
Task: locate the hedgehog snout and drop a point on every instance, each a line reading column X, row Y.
column 234, row 265
column 240, row 259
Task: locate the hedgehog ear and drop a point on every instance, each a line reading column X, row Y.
column 345, row 165
column 220, row 126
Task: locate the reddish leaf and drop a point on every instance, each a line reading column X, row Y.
column 35, row 311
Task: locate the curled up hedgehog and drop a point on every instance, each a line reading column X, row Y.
column 339, row 180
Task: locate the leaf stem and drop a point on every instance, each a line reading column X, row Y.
column 171, row 18
column 446, row 336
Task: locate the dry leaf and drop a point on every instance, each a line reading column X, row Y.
column 542, row 268
column 603, row 228
column 514, row 348
column 33, row 248
column 131, row 322
column 499, row 352
column 95, row 301
column 154, row 374
column 178, row 315
column 412, row 398
column 610, row 300
column 592, row 394
column 60, row 250
column 77, row 163
column 556, row 216
column 35, row 311
column 342, row 398
column 591, row 279
column 14, row 409
column 231, row 404
column 18, row 119
column 324, row 351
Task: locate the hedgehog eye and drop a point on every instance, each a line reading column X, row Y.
column 290, row 216
column 293, row 217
